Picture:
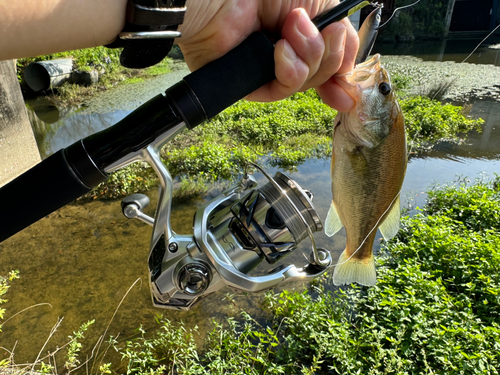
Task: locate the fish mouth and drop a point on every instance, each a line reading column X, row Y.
column 359, row 77
column 369, row 63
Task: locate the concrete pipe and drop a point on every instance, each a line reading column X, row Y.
column 42, row 75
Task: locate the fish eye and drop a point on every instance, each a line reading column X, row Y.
column 384, row 88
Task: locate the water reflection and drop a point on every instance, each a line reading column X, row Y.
column 444, row 50
column 69, row 127
column 56, row 128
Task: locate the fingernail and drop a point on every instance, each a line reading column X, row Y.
column 305, row 26
column 288, row 51
column 337, row 42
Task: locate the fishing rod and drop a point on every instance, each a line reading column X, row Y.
column 233, row 233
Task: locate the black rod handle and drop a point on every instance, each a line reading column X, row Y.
column 230, row 78
column 41, row 190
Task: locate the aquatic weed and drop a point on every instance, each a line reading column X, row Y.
column 428, row 121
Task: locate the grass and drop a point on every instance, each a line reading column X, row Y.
column 282, row 134
column 434, row 310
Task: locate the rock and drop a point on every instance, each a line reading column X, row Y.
column 85, row 78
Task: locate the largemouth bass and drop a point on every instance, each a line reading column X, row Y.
column 367, row 169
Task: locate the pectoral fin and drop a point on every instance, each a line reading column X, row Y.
column 333, row 223
column 390, row 226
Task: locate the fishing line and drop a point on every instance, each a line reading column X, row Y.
column 481, row 42
column 395, row 10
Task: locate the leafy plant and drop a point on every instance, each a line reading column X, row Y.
column 170, row 349
column 75, row 346
column 434, row 310
column 428, row 121
column 137, row 177
column 477, row 206
column 4, row 287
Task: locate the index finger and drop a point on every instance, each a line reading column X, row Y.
column 350, row 49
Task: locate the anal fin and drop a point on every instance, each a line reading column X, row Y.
column 354, row 270
column 390, row 226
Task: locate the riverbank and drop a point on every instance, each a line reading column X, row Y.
column 83, row 258
column 103, row 63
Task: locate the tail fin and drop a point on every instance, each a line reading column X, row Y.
column 354, row 270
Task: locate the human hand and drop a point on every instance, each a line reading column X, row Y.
column 304, row 57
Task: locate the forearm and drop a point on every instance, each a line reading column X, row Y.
column 38, row 27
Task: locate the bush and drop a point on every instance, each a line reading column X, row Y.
column 476, row 206
column 428, row 121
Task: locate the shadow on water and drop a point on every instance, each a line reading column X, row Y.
column 83, row 258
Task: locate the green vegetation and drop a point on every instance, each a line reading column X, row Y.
column 4, row 287
column 104, row 60
column 74, row 347
column 282, row 134
column 84, row 59
column 137, row 177
column 435, row 309
column 429, row 121
column 422, row 21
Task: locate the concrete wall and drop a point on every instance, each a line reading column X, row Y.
column 18, row 149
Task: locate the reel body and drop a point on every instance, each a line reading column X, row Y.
column 232, row 235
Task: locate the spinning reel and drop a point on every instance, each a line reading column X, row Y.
column 232, row 235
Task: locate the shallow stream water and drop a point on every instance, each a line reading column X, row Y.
column 83, row 258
